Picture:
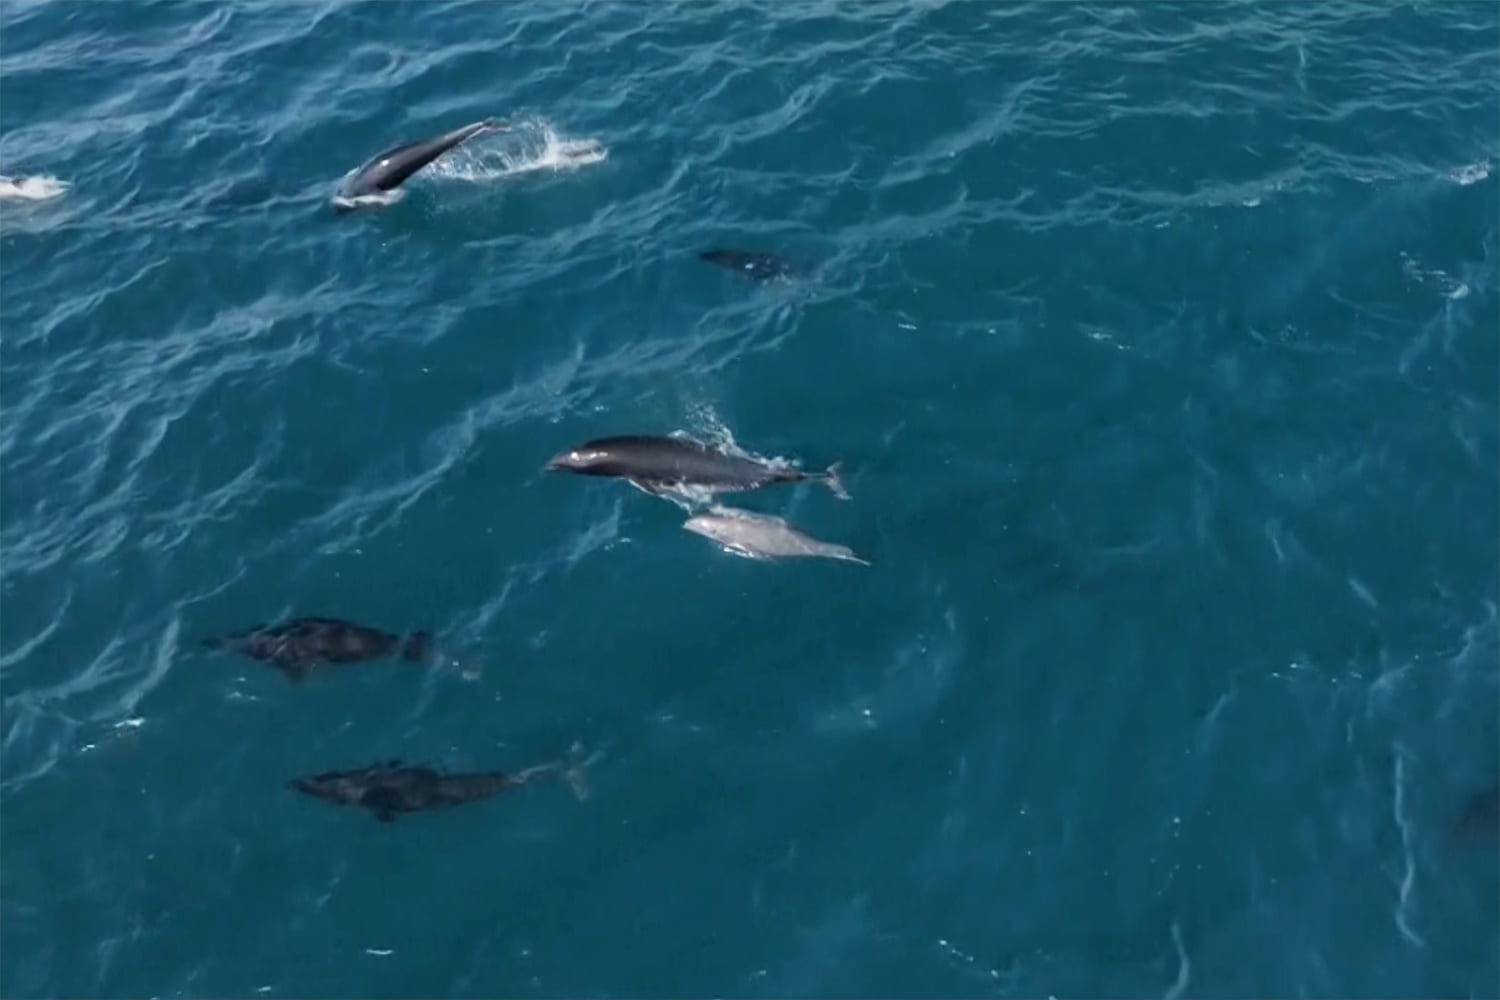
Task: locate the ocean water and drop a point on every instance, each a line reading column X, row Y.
column 1159, row 347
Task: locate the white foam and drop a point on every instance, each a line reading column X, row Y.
column 1471, row 174
column 375, row 198
column 1409, row 876
column 1184, row 967
column 1414, row 269
column 708, row 428
column 528, row 145
column 38, row 188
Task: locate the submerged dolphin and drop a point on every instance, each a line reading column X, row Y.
column 652, row 462
column 759, row 266
column 1480, row 816
column 762, row 536
column 389, row 787
column 296, row 647
column 387, row 170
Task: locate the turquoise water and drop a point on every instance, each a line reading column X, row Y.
column 1159, row 347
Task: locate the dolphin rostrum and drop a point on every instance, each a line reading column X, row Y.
column 389, row 787
column 652, row 462
column 387, row 170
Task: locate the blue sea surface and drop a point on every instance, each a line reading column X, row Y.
column 1159, row 344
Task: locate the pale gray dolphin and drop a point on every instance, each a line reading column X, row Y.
column 387, row 170
column 763, row 536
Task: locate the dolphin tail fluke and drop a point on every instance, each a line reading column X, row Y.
column 575, row 774
column 835, row 480
column 571, row 769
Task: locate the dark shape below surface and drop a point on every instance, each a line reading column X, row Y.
column 389, row 787
column 757, row 266
column 298, row 646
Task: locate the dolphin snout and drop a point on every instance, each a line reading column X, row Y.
column 562, row 460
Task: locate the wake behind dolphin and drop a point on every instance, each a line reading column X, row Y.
column 376, row 181
column 37, row 188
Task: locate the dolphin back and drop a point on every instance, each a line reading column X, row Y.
column 673, row 459
column 389, row 169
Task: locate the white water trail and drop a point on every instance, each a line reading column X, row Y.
column 1409, row 875
column 526, row 145
column 38, row 188
column 381, row 199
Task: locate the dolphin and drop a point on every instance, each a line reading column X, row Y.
column 763, row 536
column 35, row 188
column 389, row 787
column 652, row 462
column 297, row 646
column 758, row 266
column 387, row 170
column 1480, row 816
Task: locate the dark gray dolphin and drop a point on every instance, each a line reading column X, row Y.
column 387, row 170
column 390, row 787
column 757, row 266
column 1480, row 816
column 652, row 462
column 296, row 647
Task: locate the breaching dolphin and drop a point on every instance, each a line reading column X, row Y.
column 387, row 170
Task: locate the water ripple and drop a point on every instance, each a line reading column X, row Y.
column 1135, row 326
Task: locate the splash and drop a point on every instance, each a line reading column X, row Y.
column 38, row 188
column 1452, row 287
column 709, row 428
column 375, row 198
column 1473, row 173
column 706, row 427
column 530, row 144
